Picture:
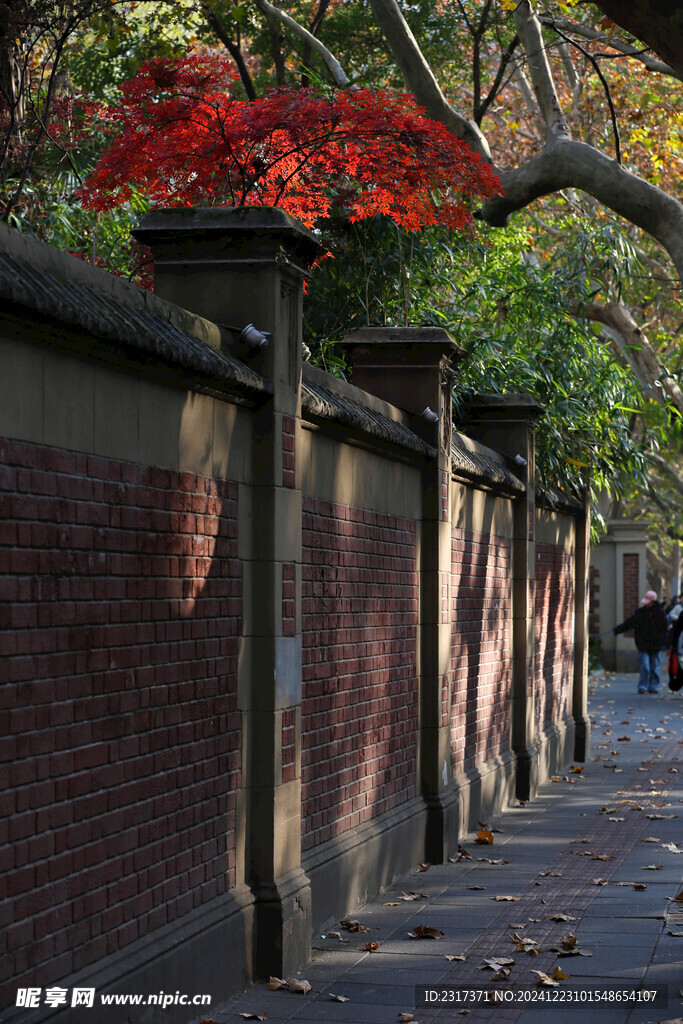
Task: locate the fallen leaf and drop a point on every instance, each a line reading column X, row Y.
column 506, row 899
column 301, row 986
column 517, row 926
column 560, row 917
column 576, row 770
column 456, row 956
column 423, row 931
column 617, row 819
column 423, row 867
column 678, row 898
column 372, row 947
column 275, row 983
column 603, row 856
column 545, row 980
column 247, row 1016
column 340, row 999
column 407, row 897
column 557, row 974
column 352, row 925
column 476, row 887
column 569, row 941
column 598, row 881
column 672, row 847
column 653, row 867
column 405, row 1016
column 651, row 839
column 501, row 861
column 501, row 975
column 623, row 739
column 496, row 963
column 484, row 836
column 676, row 935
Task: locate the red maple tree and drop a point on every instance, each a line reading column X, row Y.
column 181, row 138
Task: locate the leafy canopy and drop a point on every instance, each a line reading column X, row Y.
column 180, row 137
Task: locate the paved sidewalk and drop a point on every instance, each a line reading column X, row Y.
column 583, row 850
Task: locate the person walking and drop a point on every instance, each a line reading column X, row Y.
column 649, row 626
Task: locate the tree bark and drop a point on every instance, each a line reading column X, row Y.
column 659, row 23
column 634, row 347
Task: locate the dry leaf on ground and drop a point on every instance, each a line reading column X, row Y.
column 634, row 885
column 560, row 917
column 372, row 947
column 339, row 999
column 301, row 986
column 653, row 867
column 456, row 956
column 557, row 974
column 247, row 1016
column 423, row 867
column 275, row 983
column 476, row 887
column 424, row 931
column 650, row 839
column 602, row 856
column 496, row 963
column 545, row 980
column 506, row 899
column 501, row 975
column 672, row 847
column 598, row 881
column 484, row 836
column 405, row 1016
column 678, row 898
column 352, row 925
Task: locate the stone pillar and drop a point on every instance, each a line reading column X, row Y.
column 240, row 266
column 413, row 369
column 507, row 423
column 582, row 729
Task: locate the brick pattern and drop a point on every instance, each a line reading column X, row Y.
column 553, row 633
column 288, row 452
column 288, row 599
column 594, row 600
column 360, row 692
column 289, row 744
column 631, row 593
column 120, row 749
column 481, row 667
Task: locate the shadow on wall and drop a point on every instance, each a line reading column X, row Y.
column 125, row 595
column 481, row 614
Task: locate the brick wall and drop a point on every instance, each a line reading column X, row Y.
column 360, row 693
column 481, row 668
column 554, row 632
column 120, row 756
column 631, row 593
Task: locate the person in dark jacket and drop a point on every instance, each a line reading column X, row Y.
column 649, row 627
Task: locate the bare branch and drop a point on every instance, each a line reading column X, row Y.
column 529, row 31
column 635, row 348
column 586, row 32
column 669, row 472
column 419, row 76
column 233, row 49
column 481, row 108
column 598, row 70
column 331, row 63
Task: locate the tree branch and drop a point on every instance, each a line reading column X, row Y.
column 668, row 471
column 571, row 164
column 331, row 63
column 586, row 32
column 529, row 31
column 233, row 49
column 419, row 77
column 635, row 348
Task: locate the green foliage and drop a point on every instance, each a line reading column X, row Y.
column 511, row 315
